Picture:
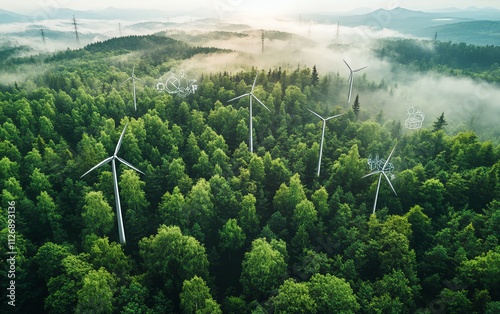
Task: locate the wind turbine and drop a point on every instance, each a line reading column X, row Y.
column 133, row 78
column 322, row 135
column 121, row 231
column 382, row 172
column 351, row 78
column 251, row 95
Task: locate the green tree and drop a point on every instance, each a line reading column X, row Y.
column 173, row 209
column 63, row 289
column 97, row 215
column 332, row 294
column 134, row 201
column 195, row 297
column 171, row 257
column 50, row 216
column 200, row 205
column 231, row 236
column 263, row 269
column 439, row 124
column 294, row 298
column 314, row 76
column 288, row 197
column 248, row 215
column 96, row 294
column 356, row 106
column 110, row 256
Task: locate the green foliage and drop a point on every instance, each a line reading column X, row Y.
column 231, row 235
column 294, row 297
column 195, row 297
column 97, row 215
column 96, row 294
column 171, row 257
column 332, row 294
column 211, row 216
column 263, row 269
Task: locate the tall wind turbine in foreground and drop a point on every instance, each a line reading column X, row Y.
column 133, row 78
column 251, row 95
column 382, row 171
column 121, row 231
column 351, row 78
column 322, row 135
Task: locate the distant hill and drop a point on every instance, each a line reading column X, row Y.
column 453, row 25
column 474, row 32
column 11, row 17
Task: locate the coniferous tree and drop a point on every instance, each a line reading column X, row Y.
column 314, row 76
column 356, row 106
column 440, row 123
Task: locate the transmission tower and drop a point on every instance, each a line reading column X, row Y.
column 43, row 34
column 120, row 28
column 262, row 41
column 76, row 31
column 338, row 29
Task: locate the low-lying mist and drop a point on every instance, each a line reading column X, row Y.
column 288, row 43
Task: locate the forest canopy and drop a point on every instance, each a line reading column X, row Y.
column 213, row 228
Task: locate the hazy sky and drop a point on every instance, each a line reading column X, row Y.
column 269, row 6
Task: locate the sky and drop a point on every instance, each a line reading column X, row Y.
column 275, row 6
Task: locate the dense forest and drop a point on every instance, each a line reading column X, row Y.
column 459, row 59
column 213, row 228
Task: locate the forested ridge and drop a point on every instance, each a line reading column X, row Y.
column 457, row 59
column 213, row 228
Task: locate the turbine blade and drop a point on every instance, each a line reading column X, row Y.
column 105, row 161
column 126, row 163
column 138, row 79
column 338, row 115
column 125, row 81
column 390, row 155
column 254, row 81
column 133, row 69
column 260, row 102
column 360, row 69
column 371, row 173
column 347, row 65
column 244, row 95
column 389, row 181
column 317, row 115
column 120, row 140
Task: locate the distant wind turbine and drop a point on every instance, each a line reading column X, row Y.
column 251, row 95
column 351, row 78
column 382, row 172
column 121, row 231
column 133, row 78
column 322, row 135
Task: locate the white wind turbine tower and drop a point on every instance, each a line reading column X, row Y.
column 322, row 135
column 121, row 231
column 133, row 78
column 351, row 78
column 382, row 172
column 251, row 95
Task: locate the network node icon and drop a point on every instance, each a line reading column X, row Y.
column 415, row 118
column 181, row 86
column 382, row 169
